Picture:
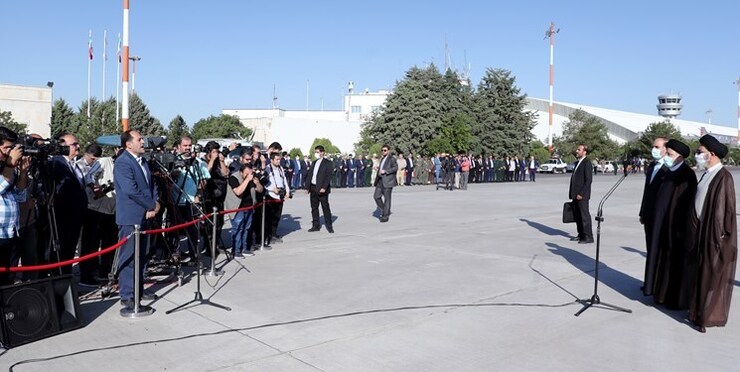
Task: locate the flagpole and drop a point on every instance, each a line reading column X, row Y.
column 118, row 79
column 124, row 60
column 105, row 58
column 89, row 63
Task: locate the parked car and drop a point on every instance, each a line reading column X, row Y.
column 608, row 167
column 553, row 166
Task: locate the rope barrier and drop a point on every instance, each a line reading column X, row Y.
column 125, row 239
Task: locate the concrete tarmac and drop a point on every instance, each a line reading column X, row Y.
column 478, row 280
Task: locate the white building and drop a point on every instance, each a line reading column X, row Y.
column 298, row 128
column 28, row 105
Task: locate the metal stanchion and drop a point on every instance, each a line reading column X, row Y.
column 213, row 271
column 262, row 235
column 138, row 310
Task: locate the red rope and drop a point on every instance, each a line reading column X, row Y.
column 67, row 262
column 125, row 239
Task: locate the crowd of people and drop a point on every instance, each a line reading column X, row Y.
column 58, row 202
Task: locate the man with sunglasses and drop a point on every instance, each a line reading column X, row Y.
column 69, row 200
column 384, row 183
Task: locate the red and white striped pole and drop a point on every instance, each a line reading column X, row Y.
column 124, row 60
column 551, row 34
column 738, row 109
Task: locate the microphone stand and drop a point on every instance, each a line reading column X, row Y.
column 595, row 300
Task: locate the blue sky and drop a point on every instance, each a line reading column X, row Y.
column 201, row 57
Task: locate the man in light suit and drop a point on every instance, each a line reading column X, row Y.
column 136, row 203
column 580, row 193
column 318, row 185
column 384, row 183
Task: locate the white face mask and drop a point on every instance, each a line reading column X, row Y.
column 701, row 160
column 656, row 154
column 669, row 161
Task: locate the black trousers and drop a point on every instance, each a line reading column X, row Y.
column 583, row 219
column 6, row 247
column 69, row 225
column 317, row 199
column 273, row 213
column 98, row 231
column 382, row 198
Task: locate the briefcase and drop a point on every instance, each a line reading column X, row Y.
column 568, row 213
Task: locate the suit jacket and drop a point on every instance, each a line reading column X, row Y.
column 305, row 164
column 323, row 177
column 389, row 178
column 580, row 181
column 70, row 196
column 650, row 192
column 136, row 192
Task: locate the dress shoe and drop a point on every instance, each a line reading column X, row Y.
column 575, row 239
column 148, row 296
column 330, row 229
column 383, row 219
column 314, row 229
column 585, row 241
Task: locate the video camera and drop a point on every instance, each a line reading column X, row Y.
column 159, row 158
column 41, row 148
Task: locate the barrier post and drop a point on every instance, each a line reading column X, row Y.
column 262, row 235
column 213, row 271
column 138, row 310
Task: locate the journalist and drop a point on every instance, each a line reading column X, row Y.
column 277, row 191
column 244, row 188
column 216, row 185
column 69, row 201
column 12, row 191
column 190, row 178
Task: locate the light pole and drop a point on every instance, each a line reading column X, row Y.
column 133, row 73
column 550, row 33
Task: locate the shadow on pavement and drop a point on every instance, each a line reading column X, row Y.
column 289, row 224
column 634, row 250
column 545, row 229
column 620, row 282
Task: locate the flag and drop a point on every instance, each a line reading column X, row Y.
column 119, row 47
column 89, row 46
column 105, row 44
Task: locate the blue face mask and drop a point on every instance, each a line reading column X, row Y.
column 669, row 161
column 656, row 154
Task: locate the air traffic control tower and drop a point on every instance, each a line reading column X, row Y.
column 669, row 105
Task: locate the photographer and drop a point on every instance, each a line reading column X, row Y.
column 277, row 190
column 243, row 185
column 12, row 191
column 69, row 200
column 216, row 185
column 190, row 176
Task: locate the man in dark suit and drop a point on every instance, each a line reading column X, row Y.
column 580, row 193
column 384, row 182
column 360, row 165
column 653, row 180
column 318, row 185
column 136, row 202
column 305, row 164
column 70, row 198
column 409, row 169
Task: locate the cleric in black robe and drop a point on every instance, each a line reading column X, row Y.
column 653, row 179
column 716, row 243
column 674, row 237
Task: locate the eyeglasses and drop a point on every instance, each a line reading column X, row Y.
column 385, row 150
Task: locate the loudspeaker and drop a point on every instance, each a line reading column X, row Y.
column 38, row 309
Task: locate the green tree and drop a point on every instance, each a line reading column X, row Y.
column 222, row 126
column 6, row 120
column 583, row 128
column 295, row 151
column 329, row 148
column 412, row 113
column 454, row 136
column 102, row 121
column 666, row 129
column 141, row 119
column 177, row 129
column 502, row 126
column 62, row 118
column 539, row 151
